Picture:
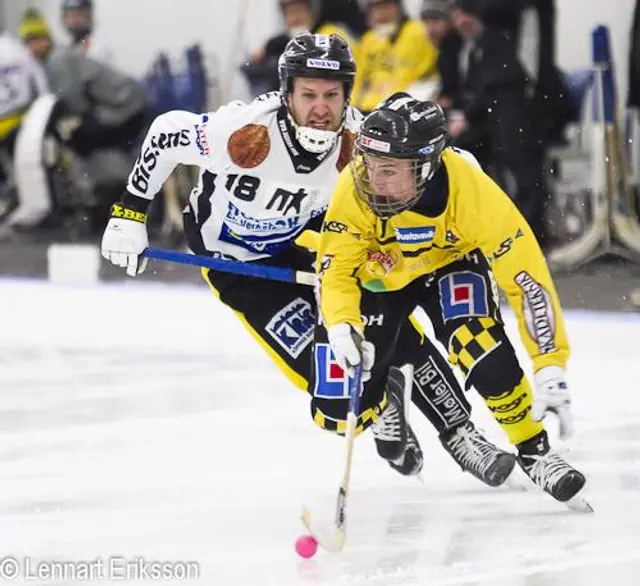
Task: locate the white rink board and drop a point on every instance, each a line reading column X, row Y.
column 141, row 420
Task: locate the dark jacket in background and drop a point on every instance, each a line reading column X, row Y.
column 449, row 64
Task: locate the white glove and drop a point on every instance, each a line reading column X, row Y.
column 350, row 349
column 552, row 396
column 123, row 242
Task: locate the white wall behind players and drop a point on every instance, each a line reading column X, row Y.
column 138, row 29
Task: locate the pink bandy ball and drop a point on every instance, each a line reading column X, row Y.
column 306, row 546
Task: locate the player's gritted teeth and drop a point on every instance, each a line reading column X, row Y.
column 321, row 124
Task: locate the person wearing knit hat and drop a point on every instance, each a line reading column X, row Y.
column 110, row 107
column 34, row 33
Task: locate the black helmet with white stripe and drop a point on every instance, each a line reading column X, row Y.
column 317, row 57
column 398, row 149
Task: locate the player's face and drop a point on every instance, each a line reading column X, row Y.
column 317, row 103
column 39, row 47
column 466, row 24
column 436, row 28
column 394, row 178
column 386, row 13
column 77, row 18
column 297, row 16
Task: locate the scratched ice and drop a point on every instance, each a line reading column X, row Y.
column 143, row 421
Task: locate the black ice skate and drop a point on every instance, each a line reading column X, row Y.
column 476, row 454
column 395, row 441
column 548, row 470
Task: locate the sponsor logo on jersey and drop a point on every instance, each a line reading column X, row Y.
column 506, row 244
column 331, row 381
column 148, row 159
column 539, row 316
column 373, row 320
column 335, row 227
column 415, row 235
column 284, row 200
column 436, row 390
column 293, row 326
column 375, row 144
column 201, row 137
column 380, row 263
column 264, row 236
column 323, row 64
column 463, row 294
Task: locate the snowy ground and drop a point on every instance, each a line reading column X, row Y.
column 141, row 423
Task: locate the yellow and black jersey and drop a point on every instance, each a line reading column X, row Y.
column 357, row 248
column 386, row 66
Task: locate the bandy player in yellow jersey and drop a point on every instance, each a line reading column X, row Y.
column 445, row 229
column 267, row 171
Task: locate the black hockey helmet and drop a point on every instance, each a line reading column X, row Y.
column 401, row 128
column 77, row 4
column 316, row 56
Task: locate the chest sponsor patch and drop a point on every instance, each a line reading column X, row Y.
column 415, row 235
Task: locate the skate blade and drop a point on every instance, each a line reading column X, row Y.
column 331, row 539
column 513, row 483
column 579, row 505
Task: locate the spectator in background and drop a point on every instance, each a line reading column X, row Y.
column 78, row 20
column 633, row 99
column 22, row 80
column 108, row 108
column 495, row 114
column 299, row 16
column 92, row 130
column 394, row 54
column 436, row 16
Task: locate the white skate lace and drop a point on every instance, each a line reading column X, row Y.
column 388, row 426
column 546, row 471
column 471, row 450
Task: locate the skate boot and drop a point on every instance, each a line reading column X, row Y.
column 548, row 470
column 395, row 440
column 476, row 454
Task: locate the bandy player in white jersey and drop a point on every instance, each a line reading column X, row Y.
column 268, row 169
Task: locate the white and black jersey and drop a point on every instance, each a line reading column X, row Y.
column 21, row 77
column 257, row 188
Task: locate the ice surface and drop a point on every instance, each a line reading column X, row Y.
column 142, row 421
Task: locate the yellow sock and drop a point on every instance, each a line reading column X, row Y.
column 512, row 410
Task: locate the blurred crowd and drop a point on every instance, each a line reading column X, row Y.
column 71, row 123
column 489, row 63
